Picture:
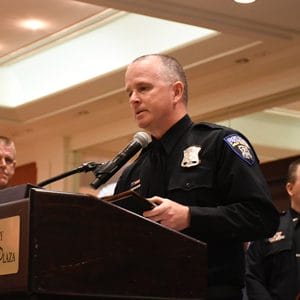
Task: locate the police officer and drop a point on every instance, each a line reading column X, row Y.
column 273, row 265
column 205, row 179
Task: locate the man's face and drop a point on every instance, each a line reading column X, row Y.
column 7, row 164
column 151, row 96
column 294, row 189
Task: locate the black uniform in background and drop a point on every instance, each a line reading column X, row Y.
column 215, row 172
column 272, row 264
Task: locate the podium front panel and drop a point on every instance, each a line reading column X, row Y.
column 80, row 245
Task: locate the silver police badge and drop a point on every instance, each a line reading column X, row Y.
column 191, row 157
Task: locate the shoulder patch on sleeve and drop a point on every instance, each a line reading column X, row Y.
column 240, row 147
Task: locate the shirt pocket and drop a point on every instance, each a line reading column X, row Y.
column 191, row 178
column 193, row 186
column 280, row 260
column 278, row 247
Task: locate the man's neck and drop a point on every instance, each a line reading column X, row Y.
column 295, row 207
column 159, row 132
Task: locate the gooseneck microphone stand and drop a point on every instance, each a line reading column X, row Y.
column 85, row 167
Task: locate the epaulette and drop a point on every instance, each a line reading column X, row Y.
column 237, row 142
column 211, row 125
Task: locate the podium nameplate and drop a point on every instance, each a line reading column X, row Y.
column 9, row 245
column 14, row 245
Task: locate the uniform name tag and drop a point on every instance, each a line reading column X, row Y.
column 278, row 236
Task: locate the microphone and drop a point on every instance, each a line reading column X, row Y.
column 105, row 171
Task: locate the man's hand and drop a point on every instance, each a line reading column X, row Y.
column 169, row 213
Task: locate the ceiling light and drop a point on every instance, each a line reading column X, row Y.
column 244, row 1
column 33, row 24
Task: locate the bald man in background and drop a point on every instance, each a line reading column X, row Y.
column 7, row 161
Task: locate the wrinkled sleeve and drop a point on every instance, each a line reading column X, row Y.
column 245, row 211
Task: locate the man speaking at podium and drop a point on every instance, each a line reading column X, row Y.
column 204, row 179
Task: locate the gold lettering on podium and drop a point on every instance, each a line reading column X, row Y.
column 9, row 245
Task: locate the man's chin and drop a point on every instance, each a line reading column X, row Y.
column 143, row 123
column 3, row 183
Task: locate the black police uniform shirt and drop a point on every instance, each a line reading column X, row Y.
column 214, row 171
column 273, row 264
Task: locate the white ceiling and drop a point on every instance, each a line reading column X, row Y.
column 247, row 77
column 59, row 16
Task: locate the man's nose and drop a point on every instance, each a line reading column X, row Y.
column 2, row 161
column 134, row 97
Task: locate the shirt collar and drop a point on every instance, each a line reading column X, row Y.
column 294, row 214
column 172, row 136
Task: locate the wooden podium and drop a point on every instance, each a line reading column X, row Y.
column 57, row 245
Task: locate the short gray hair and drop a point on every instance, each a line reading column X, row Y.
column 291, row 176
column 173, row 69
column 8, row 142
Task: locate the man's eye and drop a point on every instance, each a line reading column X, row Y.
column 9, row 161
column 143, row 89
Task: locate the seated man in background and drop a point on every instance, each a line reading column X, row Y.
column 7, row 161
column 273, row 265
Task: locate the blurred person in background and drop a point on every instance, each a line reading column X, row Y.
column 273, row 265
column 7, row 161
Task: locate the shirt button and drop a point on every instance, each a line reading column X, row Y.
column 187, row 184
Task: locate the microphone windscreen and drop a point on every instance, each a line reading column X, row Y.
column 143, row 138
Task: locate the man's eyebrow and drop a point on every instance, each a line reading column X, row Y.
column 127, row 89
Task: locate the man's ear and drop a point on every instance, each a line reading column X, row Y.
column 178, row 88
column 289, row 188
